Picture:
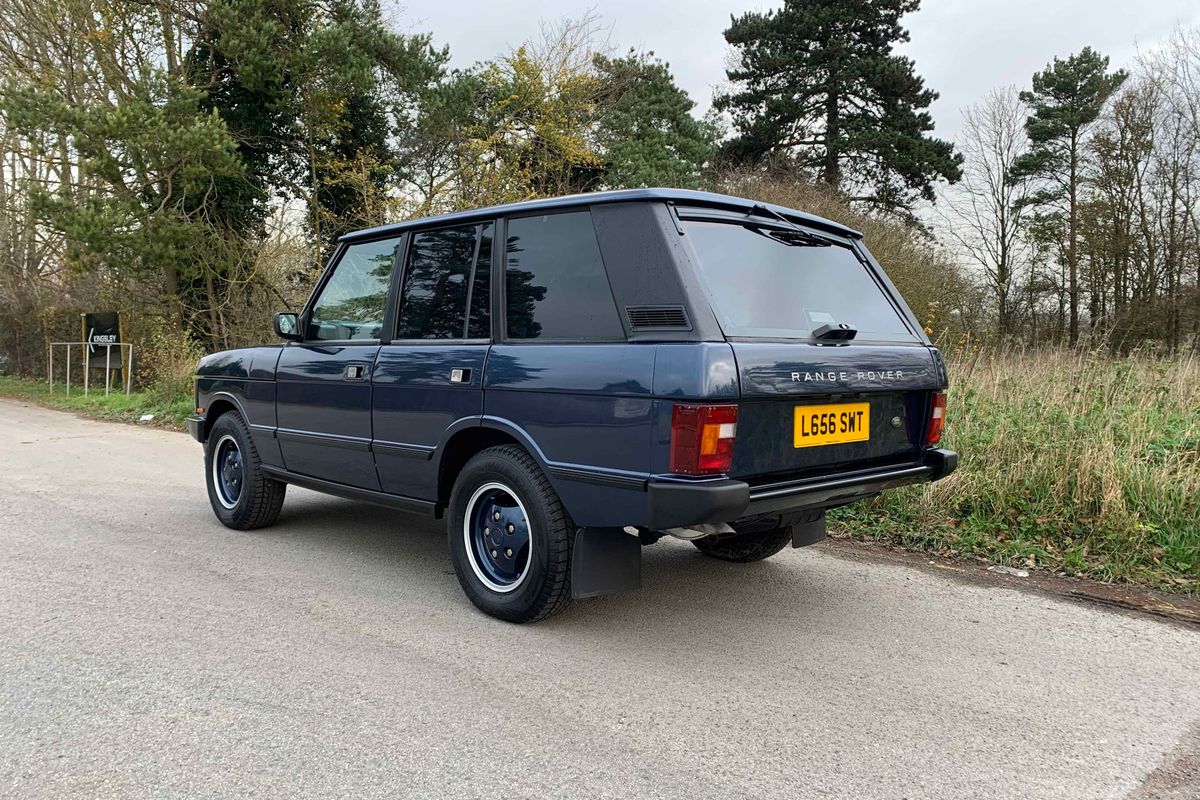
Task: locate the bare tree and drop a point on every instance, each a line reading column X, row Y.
column 985, row 214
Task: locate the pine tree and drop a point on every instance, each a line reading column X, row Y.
column 1067, row 97
column 819, row 86
column 646, row 132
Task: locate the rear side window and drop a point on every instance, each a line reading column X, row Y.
column 777, row 284
column 442, row 279
column 351, row 304
column 555, row 283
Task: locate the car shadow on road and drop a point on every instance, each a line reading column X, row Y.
column 681, row 588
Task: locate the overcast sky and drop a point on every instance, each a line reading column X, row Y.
column 962, row 48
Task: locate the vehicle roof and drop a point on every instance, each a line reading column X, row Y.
column 680, row 196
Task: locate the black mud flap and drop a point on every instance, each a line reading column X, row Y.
column 809, row 531
column 605, row 561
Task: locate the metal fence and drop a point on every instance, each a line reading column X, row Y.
column 124, row 363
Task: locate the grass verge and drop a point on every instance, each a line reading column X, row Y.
column 117, row 406
column 1083, row 464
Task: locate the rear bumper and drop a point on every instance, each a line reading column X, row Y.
column 676, row 503
column 195, row 428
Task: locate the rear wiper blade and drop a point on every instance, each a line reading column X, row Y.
column 795, row 235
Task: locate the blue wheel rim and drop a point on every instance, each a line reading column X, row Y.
column 498, row 537
column 228, row 471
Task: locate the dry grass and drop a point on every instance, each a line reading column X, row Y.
column 1082, row 463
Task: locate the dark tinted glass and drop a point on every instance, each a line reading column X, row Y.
column 555, row 284
column 480, row 326
column 771, row 284
column 433, row 300
column 352, row 302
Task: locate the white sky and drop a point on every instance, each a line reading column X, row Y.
column 962, row 48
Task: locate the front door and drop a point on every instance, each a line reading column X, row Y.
column 430, row 376
column 323, row 398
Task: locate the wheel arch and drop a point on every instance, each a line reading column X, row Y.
column 465, row 442
column 220, row 404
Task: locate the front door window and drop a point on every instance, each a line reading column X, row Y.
column 351, row 304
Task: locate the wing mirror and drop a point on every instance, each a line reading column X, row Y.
column 287, row 326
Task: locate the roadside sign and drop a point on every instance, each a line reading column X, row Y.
column 101, row 328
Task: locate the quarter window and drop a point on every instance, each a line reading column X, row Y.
column 555, row 283
column 352, row 302
column 447, row 271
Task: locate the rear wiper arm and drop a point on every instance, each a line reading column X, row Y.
column 797, row 236
column 836, row 332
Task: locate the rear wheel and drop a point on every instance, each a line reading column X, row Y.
column 509, row 537
column 241, row 494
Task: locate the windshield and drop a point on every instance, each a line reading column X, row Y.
column 772, row 283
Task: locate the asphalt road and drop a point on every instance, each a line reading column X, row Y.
column 145, row 651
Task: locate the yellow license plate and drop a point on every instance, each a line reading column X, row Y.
column 831, row 424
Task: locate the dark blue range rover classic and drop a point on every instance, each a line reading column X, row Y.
column 567, row 380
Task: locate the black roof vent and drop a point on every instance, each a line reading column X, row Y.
column 657, row 318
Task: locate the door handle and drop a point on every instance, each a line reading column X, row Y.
column 355, row 372
column 460, row 376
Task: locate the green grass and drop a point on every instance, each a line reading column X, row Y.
column 117, row 406
column 1083, row 464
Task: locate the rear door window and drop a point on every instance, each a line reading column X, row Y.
column 447, row 273
column 775, row 283
column 555, row 283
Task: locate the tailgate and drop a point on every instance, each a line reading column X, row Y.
column 810, row 406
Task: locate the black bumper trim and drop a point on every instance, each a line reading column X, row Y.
column 674, row 504
column 195, row 427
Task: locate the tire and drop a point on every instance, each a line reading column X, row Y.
column 241, row 494
column 745, row 546
column 519, row 571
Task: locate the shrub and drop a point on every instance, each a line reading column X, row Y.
column 1081, row 462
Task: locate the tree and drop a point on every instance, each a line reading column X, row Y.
column 1067, row 98
column 818, row 83
column 318, row 97
column 137, row 153
column 362, row 85
column 987, row 211
column 530, row 130
column 646, row 133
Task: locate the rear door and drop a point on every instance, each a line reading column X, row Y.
column 431, row 373
column 808, row 406
column 323, row 384
column 809, row 403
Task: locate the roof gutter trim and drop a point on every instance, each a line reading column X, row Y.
column 678, row 196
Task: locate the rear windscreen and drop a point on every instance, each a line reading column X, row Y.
column 779, row 283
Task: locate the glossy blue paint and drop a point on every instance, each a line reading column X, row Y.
column 415, row 402
column 324, row 418
column 588, row 408
column 770, row 369
column 227, row 364
column 695, row 371
column 774, row 378
column 264, row 363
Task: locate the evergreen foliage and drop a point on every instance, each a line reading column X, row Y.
column 818, row 85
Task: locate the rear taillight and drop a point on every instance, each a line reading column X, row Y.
column 702, row 438
column 937, row 419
